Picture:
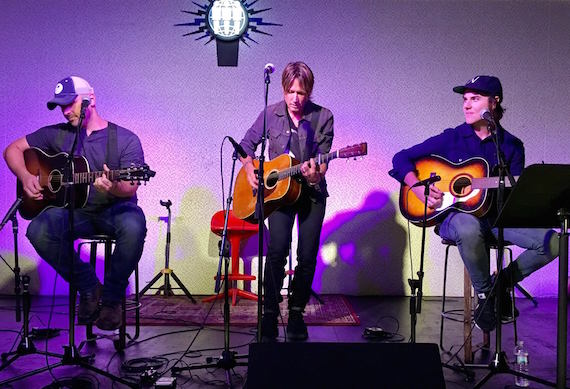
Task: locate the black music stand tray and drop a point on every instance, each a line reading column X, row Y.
column 541, row 198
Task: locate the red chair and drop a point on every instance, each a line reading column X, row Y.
column 238, row 230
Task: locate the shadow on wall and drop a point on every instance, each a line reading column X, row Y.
column 362, row 250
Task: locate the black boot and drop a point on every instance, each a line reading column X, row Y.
column 269, row 328
column 296, row 327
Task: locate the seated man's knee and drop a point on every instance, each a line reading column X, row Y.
column 464, row 225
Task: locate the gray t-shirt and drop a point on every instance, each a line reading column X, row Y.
column 59, row 138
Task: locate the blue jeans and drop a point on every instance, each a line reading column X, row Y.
column 472, row 236
column 125, row 222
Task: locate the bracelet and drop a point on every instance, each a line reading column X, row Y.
column 315, row 183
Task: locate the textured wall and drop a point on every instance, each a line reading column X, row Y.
column 385, row 68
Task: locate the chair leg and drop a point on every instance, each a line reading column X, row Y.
column 467, row 309
column 443, row 299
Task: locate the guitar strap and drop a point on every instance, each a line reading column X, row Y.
column 314, row 121
column 112, row 154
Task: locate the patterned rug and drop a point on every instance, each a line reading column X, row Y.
column 179, row 310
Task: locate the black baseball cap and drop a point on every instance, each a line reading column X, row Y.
column 485, row 85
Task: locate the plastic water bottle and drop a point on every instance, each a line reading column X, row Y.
column 521, row 364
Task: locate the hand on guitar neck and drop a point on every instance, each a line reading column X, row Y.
column 435, row 196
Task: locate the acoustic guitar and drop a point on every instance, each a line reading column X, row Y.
column 281, row 177
column 464, row 185
column 50, row 172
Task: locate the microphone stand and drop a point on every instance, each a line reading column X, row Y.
column 416, row 305
column 227, row 360
column 26, row 345
column 11, row 215
column 500, row 363
column 259, row 208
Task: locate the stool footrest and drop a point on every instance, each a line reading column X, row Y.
column 237, row 277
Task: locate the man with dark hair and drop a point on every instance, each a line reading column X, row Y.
column 472, row 234
column 302, row 129
column 111, row 207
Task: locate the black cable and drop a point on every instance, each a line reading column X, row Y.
column 7, row 264
column 139, row 365
column 50, row 370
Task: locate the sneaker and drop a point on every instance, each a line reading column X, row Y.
column 269, row 328
column 89, row 305
column 484, row 315
column 296, row 327
column 110, row 317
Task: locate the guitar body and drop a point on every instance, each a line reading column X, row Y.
column 456, row 185
column 49, row 170
column 278, row 192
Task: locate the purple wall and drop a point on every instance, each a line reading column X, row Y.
column 385, row 68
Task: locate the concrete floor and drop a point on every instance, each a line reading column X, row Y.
column 162, row 347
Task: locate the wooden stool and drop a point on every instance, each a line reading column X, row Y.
column 238, row 230
column 469, row 350
column 108, row 242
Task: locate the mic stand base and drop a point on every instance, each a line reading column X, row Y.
column 500, row 365
column 26, row 345
column 166, row 288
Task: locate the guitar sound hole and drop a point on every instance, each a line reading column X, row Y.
column 461, row 186
column 55, row 178
column 271, row 180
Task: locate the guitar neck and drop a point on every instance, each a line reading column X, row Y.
column 489, row 182
column 90, row 177
column 295, row 170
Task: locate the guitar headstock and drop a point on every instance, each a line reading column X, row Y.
column 353, row 151
column 136, row 173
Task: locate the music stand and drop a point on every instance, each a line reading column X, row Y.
column 541, row 198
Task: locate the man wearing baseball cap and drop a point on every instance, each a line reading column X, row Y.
column 110, row 208
column 482, row 98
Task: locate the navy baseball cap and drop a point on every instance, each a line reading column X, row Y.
column 485, row 85
column 67, row 90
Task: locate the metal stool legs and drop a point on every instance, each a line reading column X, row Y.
column 108, row 242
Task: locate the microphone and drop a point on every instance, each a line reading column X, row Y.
column 11, row 212
column 427, row 181
column 85, row 102
column 269, row 68
column 238, row 147
column 488, row 117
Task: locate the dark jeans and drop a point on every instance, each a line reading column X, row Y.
column 49, row 234
column 310, row 220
